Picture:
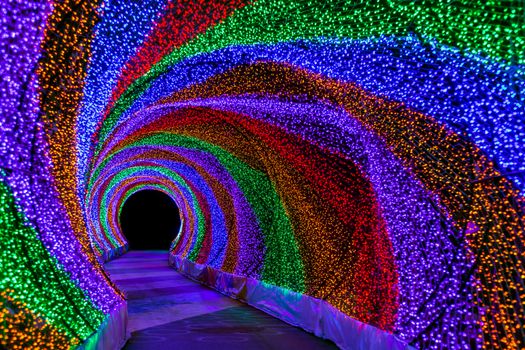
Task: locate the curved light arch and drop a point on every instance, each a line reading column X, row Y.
column 362, row 161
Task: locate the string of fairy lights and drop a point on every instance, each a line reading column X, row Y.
column 52, row 295
column 368, row 154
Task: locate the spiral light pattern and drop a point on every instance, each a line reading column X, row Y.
column 369, row 154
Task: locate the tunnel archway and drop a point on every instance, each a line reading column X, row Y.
column 149, row 220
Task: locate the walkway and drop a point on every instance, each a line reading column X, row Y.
column 168, row 311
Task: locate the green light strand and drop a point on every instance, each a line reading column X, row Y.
column 36, row 278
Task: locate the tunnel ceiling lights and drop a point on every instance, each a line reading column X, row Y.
column 366, row 154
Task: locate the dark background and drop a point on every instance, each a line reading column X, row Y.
column 149, row 220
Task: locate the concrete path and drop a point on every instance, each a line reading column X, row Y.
column 168, row 311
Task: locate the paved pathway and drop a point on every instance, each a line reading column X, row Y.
column 168, row 311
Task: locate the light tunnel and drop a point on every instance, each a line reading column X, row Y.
column 355, row 168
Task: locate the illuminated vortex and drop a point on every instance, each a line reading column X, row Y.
column 369, row 155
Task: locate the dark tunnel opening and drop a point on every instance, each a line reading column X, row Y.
column 149, row 220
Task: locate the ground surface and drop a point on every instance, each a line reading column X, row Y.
column 168, row 311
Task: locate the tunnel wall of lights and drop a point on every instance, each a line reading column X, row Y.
column 361, row 164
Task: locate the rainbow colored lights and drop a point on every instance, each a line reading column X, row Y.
column 369, row 154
